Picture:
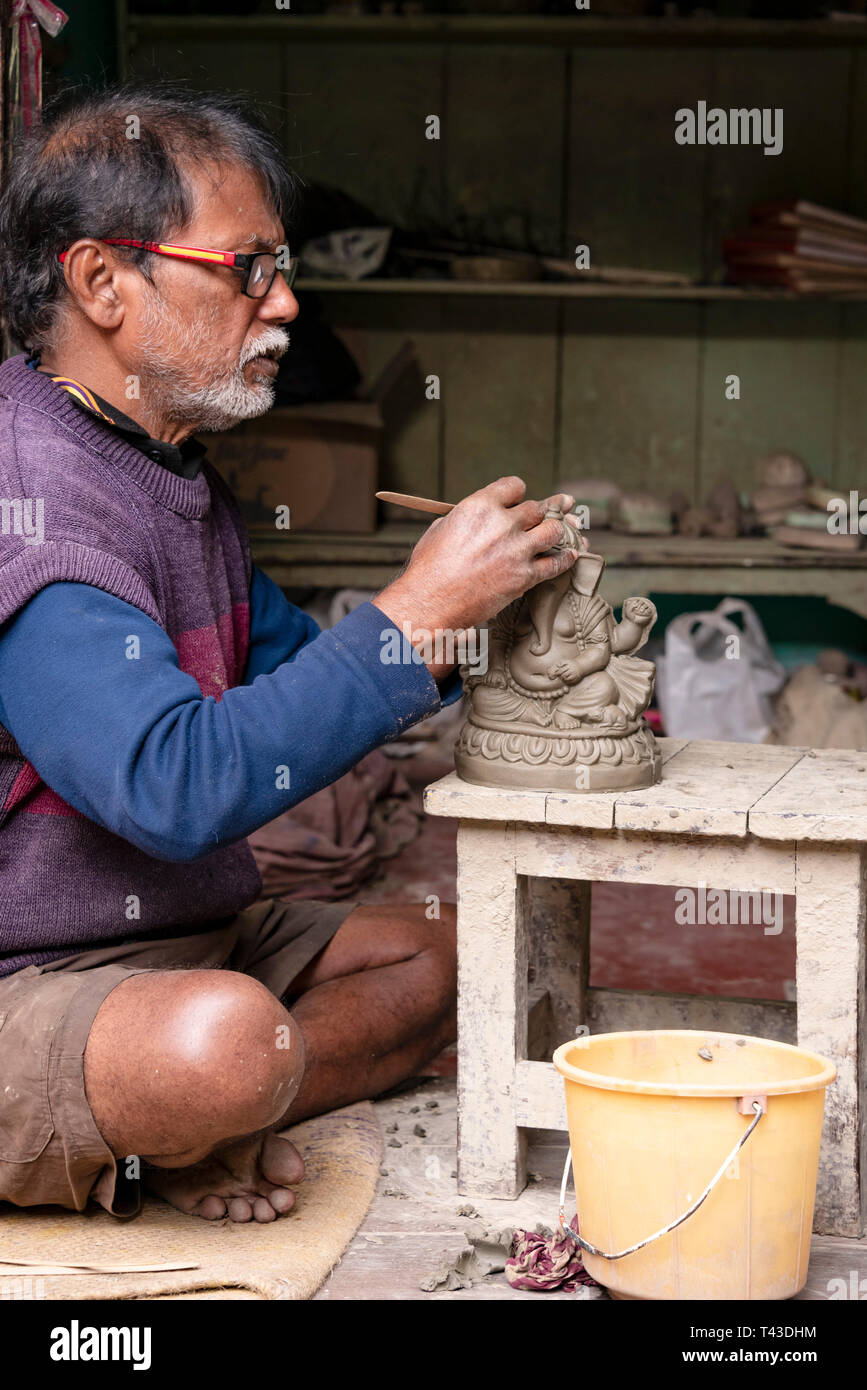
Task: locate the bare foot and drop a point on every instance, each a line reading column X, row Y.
column 247, row 1181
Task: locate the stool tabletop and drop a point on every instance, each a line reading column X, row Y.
column 823, row 797
column 707, row 788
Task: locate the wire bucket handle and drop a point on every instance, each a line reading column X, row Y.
column 758, row 1104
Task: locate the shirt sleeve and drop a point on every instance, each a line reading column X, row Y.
column 131, row 742
column 278, row 630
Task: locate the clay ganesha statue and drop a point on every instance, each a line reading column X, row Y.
column 560, row 706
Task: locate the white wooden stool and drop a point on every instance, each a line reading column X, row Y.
column 730, row 816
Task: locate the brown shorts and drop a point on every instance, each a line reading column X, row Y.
column 50, row 1148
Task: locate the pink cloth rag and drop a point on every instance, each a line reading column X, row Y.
column 543, row 1263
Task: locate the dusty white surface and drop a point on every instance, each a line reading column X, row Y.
column 824, row 797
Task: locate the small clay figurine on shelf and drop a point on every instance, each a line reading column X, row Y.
column 560, row 706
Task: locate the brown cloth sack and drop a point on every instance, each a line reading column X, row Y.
column 328, row 845
column 814, row 711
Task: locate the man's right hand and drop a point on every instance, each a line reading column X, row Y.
column 486, row 552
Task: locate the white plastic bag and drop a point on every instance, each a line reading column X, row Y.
column 715, row 680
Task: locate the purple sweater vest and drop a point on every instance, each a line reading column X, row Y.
column 175, row 548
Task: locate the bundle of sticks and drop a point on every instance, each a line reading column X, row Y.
column 799, row 246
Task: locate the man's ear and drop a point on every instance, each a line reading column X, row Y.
column 95, row 279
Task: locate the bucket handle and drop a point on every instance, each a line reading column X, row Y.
column 756, row 1104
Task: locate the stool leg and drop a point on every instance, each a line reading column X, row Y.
column 492, row 1010
column 830, row 908
column 560, row 951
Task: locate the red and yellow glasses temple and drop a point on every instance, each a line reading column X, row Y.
column 258, row 267
column 164, row 248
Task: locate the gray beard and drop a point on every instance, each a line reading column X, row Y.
column 166, row 382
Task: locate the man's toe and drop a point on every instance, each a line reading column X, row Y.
column 281, row 1199
column 240, row 1209
column 281, row 1163
column 211, row 1208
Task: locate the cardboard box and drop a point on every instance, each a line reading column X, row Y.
column 321, row 461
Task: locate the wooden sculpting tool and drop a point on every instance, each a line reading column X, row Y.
column 430, row 504
column 418, row 504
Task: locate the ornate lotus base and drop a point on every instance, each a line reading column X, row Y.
column 558, row 759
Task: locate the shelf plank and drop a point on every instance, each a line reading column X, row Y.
column 565, row 289
column 636, row 565
column 392, row 541
column 579, row 30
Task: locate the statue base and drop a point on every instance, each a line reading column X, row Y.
column 558, row 759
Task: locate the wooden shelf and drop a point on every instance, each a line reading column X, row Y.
column 749, row 552
column 635, row 564
column 579, row 30
column 392, row 540
column 555, row 289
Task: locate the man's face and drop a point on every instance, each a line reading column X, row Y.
column 205, row 353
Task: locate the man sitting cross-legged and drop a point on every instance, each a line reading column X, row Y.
column 160, row 699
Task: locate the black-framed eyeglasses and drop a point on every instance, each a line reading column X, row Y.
column 258, row 269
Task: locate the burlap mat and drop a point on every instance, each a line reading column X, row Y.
column 286, row 1259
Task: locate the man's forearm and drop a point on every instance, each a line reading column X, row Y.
column 136, row 747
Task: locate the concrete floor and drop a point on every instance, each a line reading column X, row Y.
column 414, row 1227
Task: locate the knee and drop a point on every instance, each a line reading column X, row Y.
column 227, row 1029
column 444, row 928
column 446, row 938
column 436, row 938
column 206, row 1056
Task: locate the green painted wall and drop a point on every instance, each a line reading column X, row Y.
column 545, row 145
column 86, row 50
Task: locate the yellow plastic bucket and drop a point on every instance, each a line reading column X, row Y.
column 654, row 1117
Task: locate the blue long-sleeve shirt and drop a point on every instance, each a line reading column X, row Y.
column 135, row 746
